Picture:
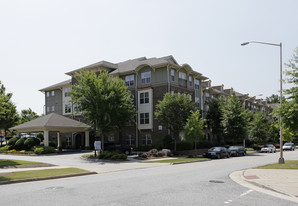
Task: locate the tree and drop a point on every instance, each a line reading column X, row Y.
column 273, row 131
column 289, row 109
column 214, row 118
column 274, row 98
column 194, row 128
column 259, row 128
column 173, row 111
column 234, row 120
column 105, row 101
column 8, row 112
column 27, row 115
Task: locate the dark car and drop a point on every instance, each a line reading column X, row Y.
column 237, row 150
column 217, row 152
column 113, row 147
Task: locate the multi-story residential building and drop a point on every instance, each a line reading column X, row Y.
column 148, row 80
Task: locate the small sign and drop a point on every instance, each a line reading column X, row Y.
column 97, row 145
column 159, row 127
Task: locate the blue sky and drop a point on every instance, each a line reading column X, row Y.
column 42, row 40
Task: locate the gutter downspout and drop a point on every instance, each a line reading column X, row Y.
column 137, row 119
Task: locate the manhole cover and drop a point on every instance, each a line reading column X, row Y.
column 54, row 188
column 216, row 181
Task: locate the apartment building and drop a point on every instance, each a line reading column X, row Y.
column 148, row 80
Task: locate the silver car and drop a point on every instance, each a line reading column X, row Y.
column 269, row 148
column 289, row 146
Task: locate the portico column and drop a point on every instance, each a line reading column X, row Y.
column 46, row 138
column 87, row 140
column 59, row 141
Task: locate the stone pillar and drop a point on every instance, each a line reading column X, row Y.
column 46, row 138
column 59, row 146
column 87, row 140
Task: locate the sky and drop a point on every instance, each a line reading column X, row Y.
column 42, row 40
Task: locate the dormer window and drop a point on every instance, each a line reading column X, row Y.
column 129, row 80
column 146, row 77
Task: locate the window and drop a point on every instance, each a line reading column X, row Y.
column 48, row 94
column 173, row 92
column 53, row 93
column 66, row 91
column 144, row 118
column 67, row 108
column 190, row 97
column 197, row 101
column 48, row 109
column 197, row 84
column 130, row 140
column 129, row 80
column 144, row 97
column 172, row 74
column 76, row 107
column 68, row 141
column 147, row 140
column 53, row 108
column 182, row 79
column 146, row 77
column 190, row 81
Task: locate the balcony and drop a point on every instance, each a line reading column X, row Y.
column 182, row 82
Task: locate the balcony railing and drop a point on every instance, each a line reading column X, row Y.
column 182, row 82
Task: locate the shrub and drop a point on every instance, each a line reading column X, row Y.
column 184, row 145
column 112, row 156
column 202, row 144
column 20, row 144
column 44, row 150
column 5, row 148
column 31, row 142
column 167, row 142
column 13, row 141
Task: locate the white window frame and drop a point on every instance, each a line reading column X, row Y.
column 190, row 80
column 173, row 75
column 144, row 97
column 53, row 93
column 144, row 118
column 48, row 94
column 53, row 108
column 67, row 108
column 146, row 77
column 197, row 83
column 129, row 80
column 147, row 138
column 66, row 91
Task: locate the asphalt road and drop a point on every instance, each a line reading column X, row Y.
column 203, row 183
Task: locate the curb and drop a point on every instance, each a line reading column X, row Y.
column 46, row 178
column 178, row 163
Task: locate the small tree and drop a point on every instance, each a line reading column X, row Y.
column 173, row 111
column 234, row 120
column 194, row 128
column 27, row 115
column 259, row 128
column 104, row 101
column 214, row 118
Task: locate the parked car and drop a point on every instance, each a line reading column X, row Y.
column 2, row 138
column 288, row 146
column 237, row 150
column 217, row 152
column 269, row 148
column 113, row 147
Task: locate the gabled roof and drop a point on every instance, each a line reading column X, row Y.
column 56, row 86
column 91, row 66
column 52, row 122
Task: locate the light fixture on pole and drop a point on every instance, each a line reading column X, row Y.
column 281, row 159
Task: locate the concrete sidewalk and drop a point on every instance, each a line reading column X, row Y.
column 281, row 183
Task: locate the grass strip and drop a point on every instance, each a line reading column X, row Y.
column 177, row 160
column 289, row 164
column 10, row 162
column 40, row 173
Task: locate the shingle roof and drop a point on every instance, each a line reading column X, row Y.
column 52, row 122
column 55, row 86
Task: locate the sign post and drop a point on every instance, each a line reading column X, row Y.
column 97, row 146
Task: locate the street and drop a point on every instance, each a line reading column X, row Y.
column 203, row 183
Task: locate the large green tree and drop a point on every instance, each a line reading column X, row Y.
column 274, row 98
column 289, row 109
column 8, row 112
column 27, row 115
column 105, row 101
column 214, row 118
column 194, row 128
column 234, row 120
column 173, row 111
column 258, row 128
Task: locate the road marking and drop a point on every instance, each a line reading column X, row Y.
column 246, row 193
column 229, row 201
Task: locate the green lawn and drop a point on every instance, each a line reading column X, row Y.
column 8, row 162
column 177, row 160
column 40, row 173
column 289, row 164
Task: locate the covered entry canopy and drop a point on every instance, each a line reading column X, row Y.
column 53, row 122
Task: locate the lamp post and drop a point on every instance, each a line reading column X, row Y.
column 281, row 159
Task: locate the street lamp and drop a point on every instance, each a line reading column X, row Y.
column 281, row 160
